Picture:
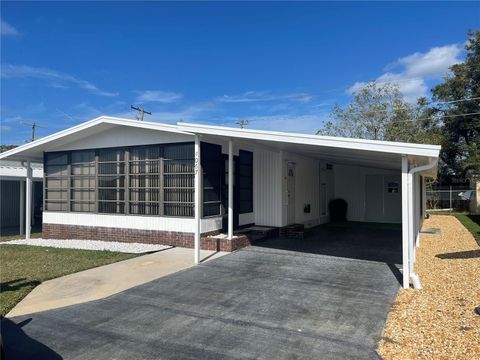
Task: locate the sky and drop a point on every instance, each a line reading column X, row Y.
column 280, row 65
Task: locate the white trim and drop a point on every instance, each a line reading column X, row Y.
column 28, row 202
column 230, row 189
column 157, row 223
column 405, row 227
column 198, row 198
column 326, row 141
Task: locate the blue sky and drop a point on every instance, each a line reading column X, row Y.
column 280, row 65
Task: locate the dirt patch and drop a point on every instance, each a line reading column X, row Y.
column 438, row 322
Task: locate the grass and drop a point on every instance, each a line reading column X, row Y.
column 470, row 221
column 23, row 267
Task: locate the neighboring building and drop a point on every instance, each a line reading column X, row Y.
column 124, row 180
column 12, row 192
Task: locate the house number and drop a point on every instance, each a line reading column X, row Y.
column 196, row 162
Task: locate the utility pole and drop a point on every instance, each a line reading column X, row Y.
column 141, row 112
column 242, row 123
column 34, row 125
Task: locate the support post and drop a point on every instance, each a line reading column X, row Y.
column 28, row 202
column 198, row 198
column 412, row 224
column 230, row 189
column 22, row 207
column 405, row 227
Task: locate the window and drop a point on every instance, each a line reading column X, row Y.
column 245, row 181
column 145, row 180
column 178, row 180
column 82, row 181
column 111, row 181
column 56, row 181
column 212, row 179
column 139, row 180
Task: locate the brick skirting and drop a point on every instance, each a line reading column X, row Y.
column 174, row 238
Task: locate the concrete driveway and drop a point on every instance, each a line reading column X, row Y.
column 325, row 297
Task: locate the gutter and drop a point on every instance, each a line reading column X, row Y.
column 411, row 248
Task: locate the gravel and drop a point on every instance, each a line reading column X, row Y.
column 135, row 248
column 439, row 321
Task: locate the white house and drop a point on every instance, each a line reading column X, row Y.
column 124, row 180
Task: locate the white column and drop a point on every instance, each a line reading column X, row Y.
column 411, row 222
column 28, row 202
column 230, row 189
column 198, row 198
column 405, row 228
column 22, row 207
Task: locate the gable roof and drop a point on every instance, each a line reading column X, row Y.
column 360, row 152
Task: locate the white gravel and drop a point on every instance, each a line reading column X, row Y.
column 136, row 248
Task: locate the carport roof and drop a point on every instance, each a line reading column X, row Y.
column 383, row 154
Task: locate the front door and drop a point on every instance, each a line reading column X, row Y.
column 290, row 193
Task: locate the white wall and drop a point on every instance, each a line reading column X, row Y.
column 350, row 184
column 267, row 187
column 122, row 136
column 158, row 223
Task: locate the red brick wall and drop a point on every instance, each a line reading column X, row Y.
column 174, row 238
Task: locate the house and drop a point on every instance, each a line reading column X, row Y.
column 125, row 180
column 13, row 175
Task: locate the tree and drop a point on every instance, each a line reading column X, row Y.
column 381, row 113
column 6, row 147
column 461, row 133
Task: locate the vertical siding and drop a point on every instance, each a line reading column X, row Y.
column 267, row 188
column 350, row 185
column 10, row 203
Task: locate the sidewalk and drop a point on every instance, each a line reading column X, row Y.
column 103, row 281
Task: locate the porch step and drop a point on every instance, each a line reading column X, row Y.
column 296, row 231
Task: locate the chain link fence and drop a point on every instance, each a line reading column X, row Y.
column 450, row 198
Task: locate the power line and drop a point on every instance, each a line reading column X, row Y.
column 141, row 112
column 34, row 126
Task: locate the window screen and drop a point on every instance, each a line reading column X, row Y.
column 245, row 181
column 56, row 181
column 211, row 155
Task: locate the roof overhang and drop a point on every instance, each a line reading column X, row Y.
column 371, row 153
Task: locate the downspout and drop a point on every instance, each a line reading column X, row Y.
column 414, row 277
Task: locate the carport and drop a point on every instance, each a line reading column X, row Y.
column 381, row 181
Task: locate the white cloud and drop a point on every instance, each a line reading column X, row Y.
column 57, row 78
column 254, row 96
column 434, row 63
column 416, row 69
column 164, row 97
column 7, row 29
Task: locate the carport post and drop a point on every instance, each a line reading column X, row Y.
column 28, row 202
column 198, row 198
column 22, row 207
column 405, row 220
column 230, row 189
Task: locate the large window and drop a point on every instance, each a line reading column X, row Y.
column 140, row 180
column 212, row 179
column 245, row 181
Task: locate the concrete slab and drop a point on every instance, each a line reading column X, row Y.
column 103, row 281
column 325, row 297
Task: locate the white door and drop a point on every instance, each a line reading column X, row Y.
column 290, row 193
column 383, row 198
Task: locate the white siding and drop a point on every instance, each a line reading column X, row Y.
column 132, row 222
column 267, row 187
column 350, row 184
column 122, row 136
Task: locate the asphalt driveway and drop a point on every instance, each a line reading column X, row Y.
column 325, row 297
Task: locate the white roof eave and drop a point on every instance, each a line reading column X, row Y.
column 325, row 141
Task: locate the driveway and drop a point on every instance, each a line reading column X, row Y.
column 326, row 296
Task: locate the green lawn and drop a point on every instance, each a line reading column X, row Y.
column 23, row 267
